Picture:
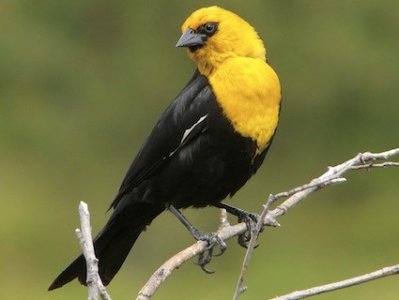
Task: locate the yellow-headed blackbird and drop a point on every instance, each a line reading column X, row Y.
column 209, row 141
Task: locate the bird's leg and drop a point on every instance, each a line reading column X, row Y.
column 249, row 218
column 211, row 238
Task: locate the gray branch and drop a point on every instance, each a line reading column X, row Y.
column 387, row 271
column 268, row 217
column 94, row 283
column 333, row 175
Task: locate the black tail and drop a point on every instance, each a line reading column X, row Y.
column 113, row 243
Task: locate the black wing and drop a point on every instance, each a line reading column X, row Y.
column 183, row 120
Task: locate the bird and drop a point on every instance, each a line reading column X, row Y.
column 206, row 144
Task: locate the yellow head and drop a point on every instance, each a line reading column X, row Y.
column 213, row 34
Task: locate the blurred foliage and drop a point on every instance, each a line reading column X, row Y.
column 82, row 83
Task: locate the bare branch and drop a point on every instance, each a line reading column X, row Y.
column 240, row 287
column 299, row 193
column 94, row 283
column 387, row 271
column 268, row 217
column 362, row 159
column 164, row 271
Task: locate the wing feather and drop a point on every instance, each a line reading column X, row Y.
column 184, row 120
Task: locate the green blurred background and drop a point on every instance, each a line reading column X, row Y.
column 82, row 83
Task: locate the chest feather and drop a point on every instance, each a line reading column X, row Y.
column 248, row 90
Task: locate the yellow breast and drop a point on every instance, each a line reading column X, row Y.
column 249, row 93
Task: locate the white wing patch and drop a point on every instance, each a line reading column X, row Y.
column 187, row 132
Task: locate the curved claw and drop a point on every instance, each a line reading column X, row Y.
column 243, row 241
column 250, row 219
column 222, row 245
column 207, row 271
column 205, row 258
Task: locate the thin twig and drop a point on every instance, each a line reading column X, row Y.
column 387, row 271
column 333, row 172
column 94, row 283
column 381, row 165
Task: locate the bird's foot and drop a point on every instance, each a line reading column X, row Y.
column 250, row 219
column 212, row 240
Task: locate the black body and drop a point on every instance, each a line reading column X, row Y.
column 193, row 157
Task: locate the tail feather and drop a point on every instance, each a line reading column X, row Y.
column 76, row 269
column 112, row 244
column 111, row 258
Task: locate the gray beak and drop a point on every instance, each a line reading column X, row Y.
column 190, row 38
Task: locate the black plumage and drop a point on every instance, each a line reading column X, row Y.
column 192, row 157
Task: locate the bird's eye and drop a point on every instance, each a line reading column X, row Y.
column 209, row 28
